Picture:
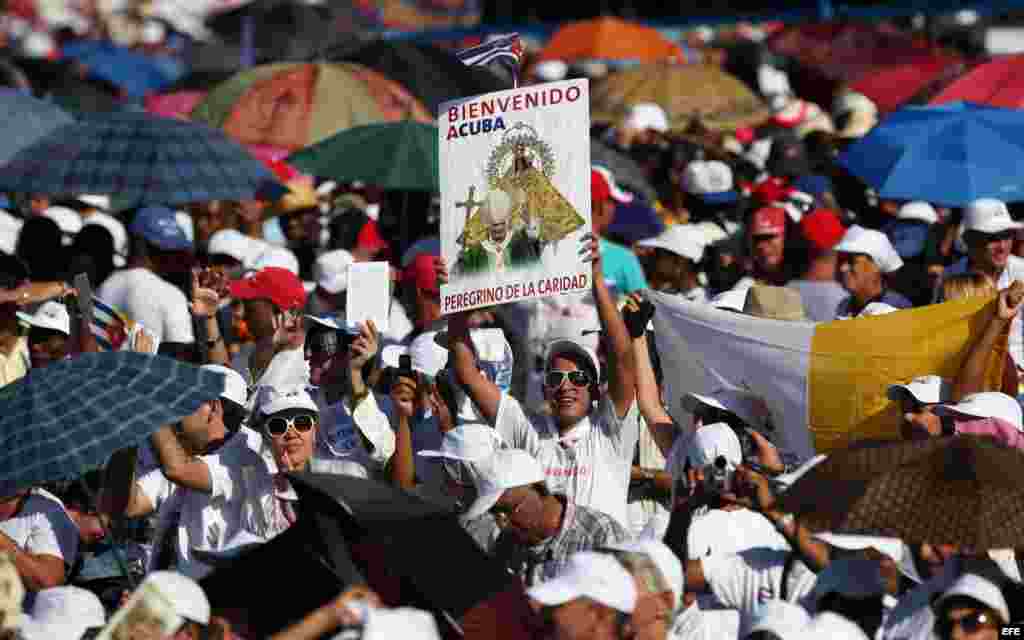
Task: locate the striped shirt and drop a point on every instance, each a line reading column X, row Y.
column 582, row 529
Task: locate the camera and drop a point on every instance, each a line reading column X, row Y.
column 718, row 477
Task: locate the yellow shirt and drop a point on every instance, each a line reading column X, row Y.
column 15, row 365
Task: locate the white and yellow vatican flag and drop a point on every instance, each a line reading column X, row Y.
column 824, row 383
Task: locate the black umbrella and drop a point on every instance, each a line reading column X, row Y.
column 285, row 31
column 408, row 549
column 433, row 75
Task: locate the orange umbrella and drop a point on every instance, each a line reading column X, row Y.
column 610, row 39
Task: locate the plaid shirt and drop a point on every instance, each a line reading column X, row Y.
column 582, row 529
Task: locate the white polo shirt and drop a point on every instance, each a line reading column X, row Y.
column 43, row 527
column 745, row 581
column 590, row 464
column 149, row 299
column 238, row 473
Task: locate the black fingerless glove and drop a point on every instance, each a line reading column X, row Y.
column 636, row 321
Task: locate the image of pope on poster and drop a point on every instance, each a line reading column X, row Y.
column 520, row 212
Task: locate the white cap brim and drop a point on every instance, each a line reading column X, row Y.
column 44, row 323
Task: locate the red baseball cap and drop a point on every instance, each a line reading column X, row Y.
column 603, row 187
column 768, row 221
column 369, row 238
column 771, row 190
column 280, row 286
column 421, row 272
column 822, row 229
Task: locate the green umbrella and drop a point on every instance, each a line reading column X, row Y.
column 393, row 155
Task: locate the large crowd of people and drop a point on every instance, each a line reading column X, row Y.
column 542, row 427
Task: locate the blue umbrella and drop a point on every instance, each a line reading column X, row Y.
column 24, row 120
column 61, row 421
column 135, row 73
column 140, row 159
column 950, row 154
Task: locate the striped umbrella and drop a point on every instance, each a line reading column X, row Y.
column 66, row 419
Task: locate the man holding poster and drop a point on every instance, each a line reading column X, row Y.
column 515, row 202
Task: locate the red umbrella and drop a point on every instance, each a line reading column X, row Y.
column 997, row 83
column 891, row 86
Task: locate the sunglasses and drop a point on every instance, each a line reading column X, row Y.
column 577, row 378
column 278, row 426
column 971, row 623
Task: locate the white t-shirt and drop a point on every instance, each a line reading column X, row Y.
column 149, row 299
column 209, row 521
column 718, row 532
column 745, row 581
column 43, row 527
column 590, row 464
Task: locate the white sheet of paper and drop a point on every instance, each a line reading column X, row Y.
column 368, row 296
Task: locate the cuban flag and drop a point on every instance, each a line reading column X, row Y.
column 109, row 326
column 504, row 50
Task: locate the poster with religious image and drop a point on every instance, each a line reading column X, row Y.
column 515, row 194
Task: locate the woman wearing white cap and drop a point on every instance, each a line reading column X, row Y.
column 973, row 608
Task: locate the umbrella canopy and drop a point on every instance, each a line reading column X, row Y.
column 352, row 530
column 841, row 50
column 431, row 74
column 141, row 159
column 964, row 490
column 949, row 155
column 608, row 38
column 25, row 120
column 391, row 155
column 137, row 74
column 61, row 421
column 295, row 105
column 997, row 83
column 62, row 82
column 419, row 15
column 893, row 85
column 722, row 101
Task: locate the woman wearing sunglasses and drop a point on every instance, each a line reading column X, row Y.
column 973, row 608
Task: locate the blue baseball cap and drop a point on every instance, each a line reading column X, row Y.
column 159, row 226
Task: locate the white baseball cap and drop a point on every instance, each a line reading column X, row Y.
column 186, row 596
column 331, row 270
column 681, row 239
column 551, row 70
column 714, row 440
column 924, row 389
column 511, row 468
column 665, row 559
column 234, row 243
column 270, row 400
column 589, row 574
column 427, row 356
column 573, row 346
column 987, row 404
column 977, row 588
column 874, row 244
column 277, row 257
column 235, row 388
column 647, row 115
column 784, row 619
column 710, row 180
column 404, row 622
column 95, row 201
column 471, row 442
column 989, row 216
column 747, row 406
column 731, row 300
column 50, row 315
column 65, row 613
column 918, row 210
column 68, row 221
column 834, row 627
